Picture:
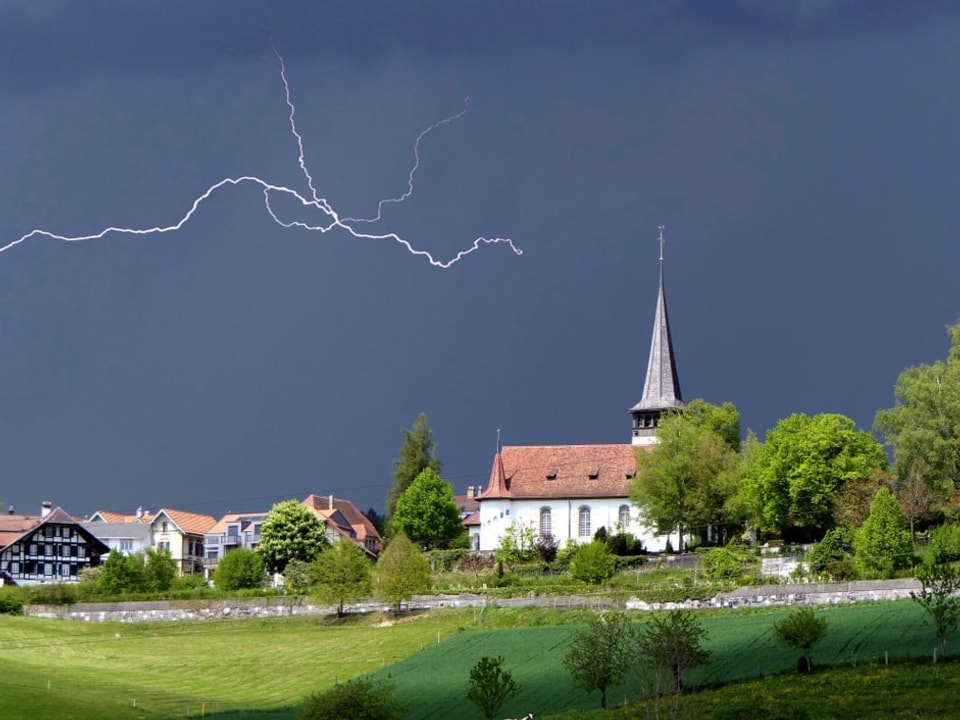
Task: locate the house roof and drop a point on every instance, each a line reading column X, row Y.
column 561, row 471
column 358, row 522
column 108, row 516
column 245, row 519
column 471, row 519
column 15, row 527
column 661, row 389
column 467, row 503
column 189, row 523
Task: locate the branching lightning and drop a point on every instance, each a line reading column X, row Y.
column 313, row 201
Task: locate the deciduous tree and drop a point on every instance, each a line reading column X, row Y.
column 290, row 532
column 491, row 686
column 796, row 474
column 159, row 570
column 357, row 699
column 416, row 455
column 239, row 569
column 401, row 572
column 801, row 630
column 341, row 574
column 673, row 643
column 518, row 544
column 883, row 544
column 121, row 574
column 601, row 655
column 940, row 584
column 427, row 512
column 591, row 563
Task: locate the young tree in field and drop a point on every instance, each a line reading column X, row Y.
column 882, row 545
column 427, row 512
column 121, row 574
column 940, row 584
column 416, row 455
column 795, row 476
column 357, row 699
column 687, row 478
column 159, row 570
column 491, row 686
column 290, row 532
column 923, row 426
column 341, row 574
column 239, row 569
column 401, row 572
column 673, row 643
column 601, row 655
column 801, row 630
column 592, row 563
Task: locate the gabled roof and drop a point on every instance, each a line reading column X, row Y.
column 561, row 471
column 15, row 527
column 358, row 522
column 661, row 389
column 245, row 519
column 114, row 517
column 189, row 523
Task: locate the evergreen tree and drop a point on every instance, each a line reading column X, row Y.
column 416, row 455
column 883, row 544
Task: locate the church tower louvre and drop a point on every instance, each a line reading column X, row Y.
column 661, row 389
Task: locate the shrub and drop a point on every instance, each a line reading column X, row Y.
column 833, row 548
column 239, row 569
column 358, row 699
column 883, row 544
column 592, row 563
column 53, row 594
column 624, row 545
column 547, row 547
column 723, row 563
column 491, row 686
column 945, row 543
column 11, row 601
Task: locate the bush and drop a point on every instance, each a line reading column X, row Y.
column 547, row 547
column 54, row 594
column 445, row 560
column 833, row 549
column 724, row 563
column 945, row 543
column 592, row 563
column 11, row 601
column 238, row 570
column 624, row 545
column 358, row 699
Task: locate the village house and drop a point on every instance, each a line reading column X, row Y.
column 568, row 492
column 52, row 547
column 182, row 533
column 127, row 534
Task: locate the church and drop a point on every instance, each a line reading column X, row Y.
column 571, row 491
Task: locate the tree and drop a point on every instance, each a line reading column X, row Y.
column 939, row 585
column 795, row 476
column 920, row 500
column 673, row 643
column 923, row 426
column 427, row 512
column 518, row 544
column 121, row 574
column 159, row 570
column 591, row 563
column 341, row 574
column 601, row 655
column 801, row 630
column 491, row 686
column 290, row 532
column 377, row 520
column 239, row 569
column 357, row 699
column 883, row 544
column 687, row 478
column 723, row 420
column 401, row 572
column 416, row 455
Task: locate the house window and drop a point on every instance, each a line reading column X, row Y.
column 624, row 516
column 48, row 550
column 126, row 544
column 33, row 548
column 546, row 522
column 65, row 570
column 164, row 527
column 14, row 568
column 163, row 545
column 64, row 551
column 584, row 523
column 48, row 568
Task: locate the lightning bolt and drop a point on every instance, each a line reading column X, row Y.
column 334, row 221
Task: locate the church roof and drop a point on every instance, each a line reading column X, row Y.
column 661, row 389
column 561, row 471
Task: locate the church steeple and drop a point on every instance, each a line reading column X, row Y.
column 661, row 389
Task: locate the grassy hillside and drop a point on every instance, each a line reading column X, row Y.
column 57, row 669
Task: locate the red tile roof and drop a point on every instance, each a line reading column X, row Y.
column 561, row 471
column 359, row 522
column 188, row 522
column 115, row 517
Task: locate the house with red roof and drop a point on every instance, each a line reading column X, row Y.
column 570, row 491
column 182, row 533
column 52, row 547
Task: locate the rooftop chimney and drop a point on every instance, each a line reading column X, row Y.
column 45, row 507
column 470, row 491
column 10, row 510
column 139, row 513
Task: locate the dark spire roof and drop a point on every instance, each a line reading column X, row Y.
column 661, row 390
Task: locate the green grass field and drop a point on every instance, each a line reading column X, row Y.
column 59, row 669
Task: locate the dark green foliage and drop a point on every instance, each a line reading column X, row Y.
column 290, row 532
column 600, row 535
column 726, row 562
column 239, row 569
column 937, row 596
column 801, row 630
column 673, row 643
column 882, row 545
column 825, row 554
column 159, row 570
column 491, row 686
column 401, row 572
column 52, row 594
column 945, row 543
column 341, row 574
column 358, row 699
column 416, row 455
column 624, row 545
column 591, row 563
column 379, row 520
column 427, row 512
column 11, row 600
column 602, row 655
column 121, row 573
column 296, row 576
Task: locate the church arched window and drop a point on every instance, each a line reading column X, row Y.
column 546, row 522
column 584, row 521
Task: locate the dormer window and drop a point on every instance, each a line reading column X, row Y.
column 594, row 473
column 552, row 474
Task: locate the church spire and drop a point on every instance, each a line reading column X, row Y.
column 661, row 389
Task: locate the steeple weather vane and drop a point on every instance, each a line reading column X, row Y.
column 661, row 227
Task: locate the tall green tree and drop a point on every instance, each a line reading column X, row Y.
column 427, row 512
column 159, row 570
column 401, row 572
column 416, row 455
column 290, row 532
column 121, row 574
column 491, row 686
column 688, row 477
column 923, row 426
column 795, row 476
column 723, row 419
column 883, row 545
column 341, row 574
column 601, row 655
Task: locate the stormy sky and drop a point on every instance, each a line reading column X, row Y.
column 803, row 155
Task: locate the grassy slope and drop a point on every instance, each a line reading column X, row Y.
column 97, row 670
